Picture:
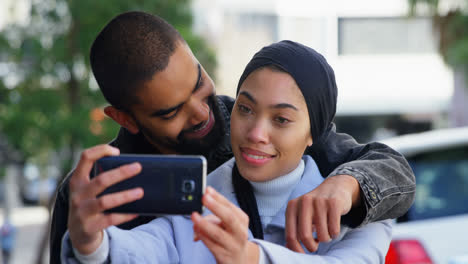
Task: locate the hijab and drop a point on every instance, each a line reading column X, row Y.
column 316, row 80
column 313, row 75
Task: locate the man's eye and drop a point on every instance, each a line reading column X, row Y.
column 170, row 115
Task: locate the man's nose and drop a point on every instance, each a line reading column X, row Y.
column 199, row 111
column 258, row 132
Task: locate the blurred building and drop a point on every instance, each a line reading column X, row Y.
column 390, row 77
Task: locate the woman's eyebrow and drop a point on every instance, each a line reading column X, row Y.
column 284, row 105
column 248, row 96
column 275, row 106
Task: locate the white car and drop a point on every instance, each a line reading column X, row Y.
column 435, row 229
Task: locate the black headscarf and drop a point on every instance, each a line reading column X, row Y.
column 312, row 73
column 316, row 80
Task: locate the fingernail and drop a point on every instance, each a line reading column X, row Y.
column 134, row 167
column 209, row 199
column 196, row 217
column 137, row 193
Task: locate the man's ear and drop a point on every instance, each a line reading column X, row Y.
column 122, row 118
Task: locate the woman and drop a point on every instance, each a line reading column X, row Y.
column 286, row 99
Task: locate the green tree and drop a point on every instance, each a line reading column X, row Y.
column 451, row 27
column 47, row 93
column 49, row 101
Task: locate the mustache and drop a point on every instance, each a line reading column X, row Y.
column 211, row 105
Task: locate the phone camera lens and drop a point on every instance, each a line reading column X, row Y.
column 188, row 186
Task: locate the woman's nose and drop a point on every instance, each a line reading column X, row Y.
column 258, row 132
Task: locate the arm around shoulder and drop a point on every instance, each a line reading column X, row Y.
column 386, row 180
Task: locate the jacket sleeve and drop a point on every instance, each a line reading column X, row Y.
column 151, row 243
column 367, row 245
column 386, row 180
column 59, row 221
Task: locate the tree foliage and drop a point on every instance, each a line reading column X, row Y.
column 451, row 27
column 49, row 100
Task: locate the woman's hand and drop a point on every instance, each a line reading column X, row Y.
column 320, row 210
column 86, row 219
column 225, row 233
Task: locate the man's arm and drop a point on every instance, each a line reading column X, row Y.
column 59, row 222
column 387, row 183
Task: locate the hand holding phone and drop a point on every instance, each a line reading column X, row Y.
column 172, row 184
column 86, row 219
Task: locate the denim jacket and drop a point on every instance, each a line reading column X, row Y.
column 386, row 180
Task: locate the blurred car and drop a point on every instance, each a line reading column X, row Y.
column 435, row 229
column 32, row 188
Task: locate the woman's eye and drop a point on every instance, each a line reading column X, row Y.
column 244, row 109
column 282, row 120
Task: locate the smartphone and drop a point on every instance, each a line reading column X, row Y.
column 172, row 184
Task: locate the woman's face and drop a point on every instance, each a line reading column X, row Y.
column 270, row 126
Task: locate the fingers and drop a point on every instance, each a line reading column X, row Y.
column 292, row 241
column 320, row 209
column 213, row 219
column 204, row 228
column 218, row 251
column 334, row 220
column 305, row 226
column 232, row 217
column 87, row 159
column 310, row 213
column 99, row 183
column 87, row 216
column 109, row 201
column 223, row 201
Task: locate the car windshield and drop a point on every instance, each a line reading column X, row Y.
column 441, row 184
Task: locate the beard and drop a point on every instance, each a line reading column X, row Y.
column 207, row 143
column 199, row 146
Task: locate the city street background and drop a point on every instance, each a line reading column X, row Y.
column 400, row 67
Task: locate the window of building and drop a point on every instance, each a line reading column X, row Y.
column 390, row 35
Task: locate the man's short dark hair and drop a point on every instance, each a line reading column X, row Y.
column 130, row 49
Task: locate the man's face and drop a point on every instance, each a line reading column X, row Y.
column 177, row 112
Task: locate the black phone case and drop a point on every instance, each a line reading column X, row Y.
column 172, row 184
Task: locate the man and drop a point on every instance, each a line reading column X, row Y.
column 165, row 103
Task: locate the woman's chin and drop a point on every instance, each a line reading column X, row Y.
column 255, row 175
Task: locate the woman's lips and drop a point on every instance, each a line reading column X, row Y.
column 204, row 129
column 255, row 157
